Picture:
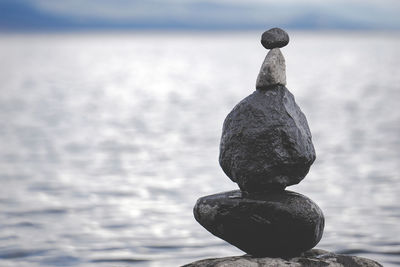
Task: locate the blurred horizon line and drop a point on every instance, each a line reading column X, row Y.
column 188, row 30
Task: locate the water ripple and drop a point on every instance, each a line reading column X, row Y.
column 107, row 141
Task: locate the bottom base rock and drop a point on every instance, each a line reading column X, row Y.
column 314, row 257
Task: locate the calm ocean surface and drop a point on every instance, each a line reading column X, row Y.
column 107, row 141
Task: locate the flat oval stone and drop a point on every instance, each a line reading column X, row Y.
column 277, row 224
column 274, row 38
column 266, row 142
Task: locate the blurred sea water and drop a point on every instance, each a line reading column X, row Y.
column 108, row 139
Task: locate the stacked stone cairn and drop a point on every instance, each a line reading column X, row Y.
column 265, row 147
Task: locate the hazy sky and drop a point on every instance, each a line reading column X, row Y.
column 366, row 13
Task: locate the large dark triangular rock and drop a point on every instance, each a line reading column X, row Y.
column 266, row 143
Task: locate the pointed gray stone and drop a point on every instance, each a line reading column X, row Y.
column 273, row 70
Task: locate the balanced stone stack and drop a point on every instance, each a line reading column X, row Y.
column 265, row 147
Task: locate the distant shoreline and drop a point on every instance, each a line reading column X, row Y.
column 189, row 31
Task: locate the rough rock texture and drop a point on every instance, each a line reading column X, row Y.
column 266, row 143
column 274, row 37
column 273, row 70
column 281, row 223
column 314, row 258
